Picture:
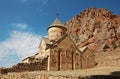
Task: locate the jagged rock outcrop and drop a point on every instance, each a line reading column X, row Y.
column 96, row 28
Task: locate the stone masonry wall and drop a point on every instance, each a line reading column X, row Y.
column 66, row 59
column 61, row 59
column 37, row 66
column 54, row 60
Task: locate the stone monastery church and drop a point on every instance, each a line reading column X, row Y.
column 61, row 52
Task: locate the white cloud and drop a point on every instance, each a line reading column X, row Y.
column 20, row 44
column 20, row 25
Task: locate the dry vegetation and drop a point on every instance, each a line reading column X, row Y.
column 115, row 71
column 84, row 72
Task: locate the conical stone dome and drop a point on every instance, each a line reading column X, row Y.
column 57, row 23
column 56, row 30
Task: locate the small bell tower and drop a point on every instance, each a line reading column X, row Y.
column 56, row 30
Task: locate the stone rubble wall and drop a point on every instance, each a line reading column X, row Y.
column 37, row 66
column 3, row 71
column 43, row 76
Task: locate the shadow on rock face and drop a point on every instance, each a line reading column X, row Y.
column 116, row 73
column 113, row 75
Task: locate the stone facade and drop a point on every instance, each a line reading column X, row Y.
column 87, row 58
column 60, row 51
column 65, row 56
column 61, row 56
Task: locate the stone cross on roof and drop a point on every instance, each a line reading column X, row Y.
column 57, row 15
column 57, row 23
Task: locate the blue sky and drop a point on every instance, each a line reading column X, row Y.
column 24, row 22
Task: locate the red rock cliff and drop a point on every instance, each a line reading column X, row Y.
column 96, row 28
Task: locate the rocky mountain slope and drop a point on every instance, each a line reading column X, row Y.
column 96, row 28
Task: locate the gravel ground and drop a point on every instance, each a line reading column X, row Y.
column 86, row 72
column 114, row 71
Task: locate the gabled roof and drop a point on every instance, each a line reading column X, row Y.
column 31, row 57
column 36, row 54
column 59, row 40
column 47, row 41
column 54, row 43
column 50, row 44
column 83, row 49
